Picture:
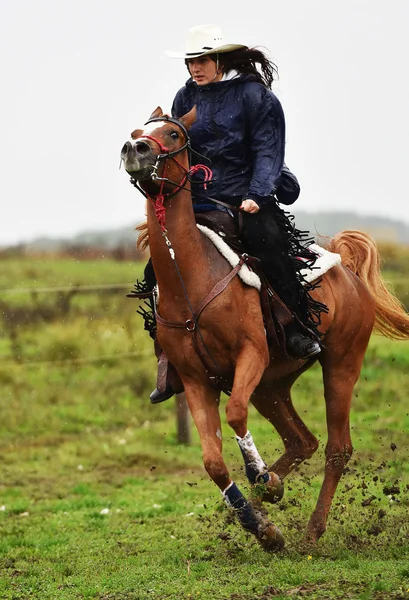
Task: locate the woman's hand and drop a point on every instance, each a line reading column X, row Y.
column 250, row 206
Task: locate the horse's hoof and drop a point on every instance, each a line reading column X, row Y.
column 272, row 491
column 315, row 529
column 271, row 538
column 306, row 546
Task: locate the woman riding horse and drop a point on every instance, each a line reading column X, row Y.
column 240, row 128
column 207, row 314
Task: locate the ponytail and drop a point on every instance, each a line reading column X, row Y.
column 246, row 60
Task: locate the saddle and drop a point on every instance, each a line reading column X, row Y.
column 276, row 314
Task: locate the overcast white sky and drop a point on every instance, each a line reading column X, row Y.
column 78, row 75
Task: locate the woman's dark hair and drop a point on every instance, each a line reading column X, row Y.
column 245, row 60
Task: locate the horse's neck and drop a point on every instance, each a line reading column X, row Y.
column 187, row 244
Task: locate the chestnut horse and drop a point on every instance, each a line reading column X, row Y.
column 230, row 334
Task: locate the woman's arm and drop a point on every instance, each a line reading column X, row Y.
column 266, row 131
column 182, row 104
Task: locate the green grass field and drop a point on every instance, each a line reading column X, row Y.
column 99, row 501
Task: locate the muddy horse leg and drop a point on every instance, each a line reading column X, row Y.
column 273, row 401
column 267, row 485
column 339, row 382
column 250, row 367
column 203, row 404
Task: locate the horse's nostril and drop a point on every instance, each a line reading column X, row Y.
column 142, row 147
column 124, row 150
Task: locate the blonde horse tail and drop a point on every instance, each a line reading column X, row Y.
column 360, row 254
column 143, row 239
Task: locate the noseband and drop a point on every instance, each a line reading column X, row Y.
column 159, row 199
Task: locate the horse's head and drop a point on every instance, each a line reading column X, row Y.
column 145, row 156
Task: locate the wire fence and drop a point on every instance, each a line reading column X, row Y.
column 183, row 420
column 68, row 288
column 71, row 361
column 75, row 361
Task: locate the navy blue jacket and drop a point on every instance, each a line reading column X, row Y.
column 240, row 127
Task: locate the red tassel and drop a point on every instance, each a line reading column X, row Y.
column 208, row 173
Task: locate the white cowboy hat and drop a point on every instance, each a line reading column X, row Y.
column 202, row 40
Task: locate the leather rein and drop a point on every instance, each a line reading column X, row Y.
column 191, row 325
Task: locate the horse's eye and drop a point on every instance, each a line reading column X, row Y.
column 174, row 135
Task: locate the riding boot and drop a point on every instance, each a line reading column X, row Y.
column 265, row 236
column 290, row 332
column 163, row 390
column 298, row 345
column 168, row 381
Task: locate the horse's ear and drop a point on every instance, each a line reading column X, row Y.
column 189, row 118
column 158, row 112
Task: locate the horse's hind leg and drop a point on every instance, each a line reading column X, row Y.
column 203, row 404
column 273, row 401
column 339, row 382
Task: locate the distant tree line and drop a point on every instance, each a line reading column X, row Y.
column 120, row 252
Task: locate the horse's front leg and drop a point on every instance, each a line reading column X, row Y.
column 250, row 366
column 267, row 485
column 204, row 405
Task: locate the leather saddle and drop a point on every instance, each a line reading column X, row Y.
column 276, row 314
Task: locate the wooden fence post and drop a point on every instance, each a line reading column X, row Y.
column 183, row 421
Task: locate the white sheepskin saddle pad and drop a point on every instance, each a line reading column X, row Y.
column 325, row 261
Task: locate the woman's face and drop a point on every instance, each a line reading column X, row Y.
column 204, row 70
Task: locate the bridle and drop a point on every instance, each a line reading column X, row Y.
column 159, row 198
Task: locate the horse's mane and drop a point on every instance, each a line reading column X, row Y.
column 142, row 242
